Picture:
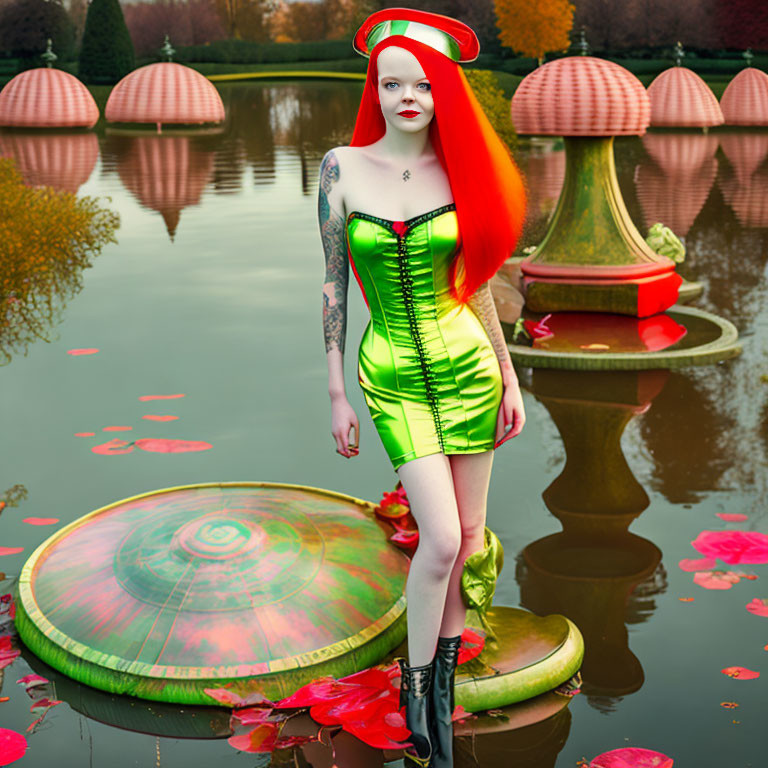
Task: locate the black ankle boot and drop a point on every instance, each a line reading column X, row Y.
column 415, row 687
column 441, row 725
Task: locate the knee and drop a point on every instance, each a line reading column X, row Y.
column 442, row 549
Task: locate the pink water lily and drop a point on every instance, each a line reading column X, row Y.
column 12, row 746
column 733, row 546
column 740, row 673
column 632, row 757
column 716, row 579
column 758, row 607
column 7, row 654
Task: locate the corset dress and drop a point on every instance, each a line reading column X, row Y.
column 428, row 371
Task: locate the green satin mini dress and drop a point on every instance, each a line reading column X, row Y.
column 426, row 366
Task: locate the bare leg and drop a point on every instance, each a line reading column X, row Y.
column 429, row 485
column 471, row 474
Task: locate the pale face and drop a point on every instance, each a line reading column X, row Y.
column 404, row 90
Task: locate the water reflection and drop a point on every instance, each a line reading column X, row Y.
column 674, row 187
column 590, row 571
column 164, row 173
column 63, row 161
column 744, row 179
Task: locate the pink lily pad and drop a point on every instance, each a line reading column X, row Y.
column 159, row 397
column 41, row 520
column 113, row 447
column 740, row 673
column 632, row 757
column 758, row 607
column 733, row 546
column 732, row 517
column 702, row 564
column 84, row 434
column 83, row 351
column 155, row 417
column 12, row 746
column 11, row 550
column 161, row 445
column 716, row 579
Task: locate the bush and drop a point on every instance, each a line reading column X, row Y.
column 245, row 52
column 106, row 53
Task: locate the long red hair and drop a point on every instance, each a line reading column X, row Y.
column 487, row 187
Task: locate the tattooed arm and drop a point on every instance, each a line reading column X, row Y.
column 511, row 412
column 330, row 210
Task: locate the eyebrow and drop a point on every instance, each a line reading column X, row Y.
column 394, row 77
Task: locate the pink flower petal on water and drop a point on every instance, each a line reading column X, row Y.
column 261, row 739
column 154, row 417
column 758, row 607
column 83, row 351
column 159, row 397
column 632, row 757
column 12, row 746
column 733, row 546
column 84, row 434
column 223, row 696
column 741, row 673
column 113, row 447
column 44, row 704
column 7, row 653
column 253, row 715
column 116, row 429
column 715, row 579
column 732, row 517
column 161, row 445
column 703, row 564
column 32, row 681
column 11, row 550
column 41, row 520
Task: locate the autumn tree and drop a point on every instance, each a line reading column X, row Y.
column 534, row 28
column 323, row 20
column 246, row 19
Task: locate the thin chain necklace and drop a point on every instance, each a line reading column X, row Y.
column 406, row 175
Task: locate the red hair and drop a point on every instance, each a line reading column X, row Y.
column 487, row 187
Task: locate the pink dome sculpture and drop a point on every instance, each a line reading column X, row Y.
column 745, row 100
column 679, row 97
column 165, row 92
column 581, row 96
column 47, row 98
column 166, row 174
column 64, row 162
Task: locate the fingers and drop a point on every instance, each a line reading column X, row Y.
column 514, row 427
column 344, row 444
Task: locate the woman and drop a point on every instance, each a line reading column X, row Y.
column 425, row 205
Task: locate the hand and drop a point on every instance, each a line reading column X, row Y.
column 343, row 419
column 511, row 418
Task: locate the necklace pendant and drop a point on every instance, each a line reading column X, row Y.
column 406, row 175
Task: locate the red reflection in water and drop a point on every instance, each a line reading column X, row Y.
column 154, row 417
column 159, row 397
column 83, row 351
column 160, row 445
column 41, row 520
column 116, row 429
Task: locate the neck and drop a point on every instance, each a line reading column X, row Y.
column 404, row 146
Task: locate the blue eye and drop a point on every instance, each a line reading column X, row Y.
column 427, row 86
column 386, row 85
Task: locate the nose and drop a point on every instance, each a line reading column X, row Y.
column 408, row 95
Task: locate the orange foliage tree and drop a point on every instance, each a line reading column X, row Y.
column 47, row 238
column 531, row 28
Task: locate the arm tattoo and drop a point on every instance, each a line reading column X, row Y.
column 482, row 304
column 333, row 234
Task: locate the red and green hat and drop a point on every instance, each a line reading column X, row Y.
column 450, row 37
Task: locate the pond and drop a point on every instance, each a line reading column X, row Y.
column 213, row 291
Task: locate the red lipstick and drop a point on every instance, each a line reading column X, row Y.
column 408, row 113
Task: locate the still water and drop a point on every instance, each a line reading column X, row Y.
column 214, row 291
